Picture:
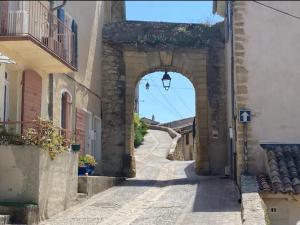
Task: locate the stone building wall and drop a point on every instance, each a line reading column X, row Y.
column 197, row 52
column 28, row 175
column 266, row 78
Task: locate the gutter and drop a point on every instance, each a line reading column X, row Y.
column 51, row 80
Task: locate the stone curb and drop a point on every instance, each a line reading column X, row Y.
column 253, row 208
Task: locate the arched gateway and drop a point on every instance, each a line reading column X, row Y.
column 133, row 49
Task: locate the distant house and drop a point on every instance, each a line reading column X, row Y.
column 186, row 143
column 149, row 121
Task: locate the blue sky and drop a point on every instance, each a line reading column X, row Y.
column 179, row 101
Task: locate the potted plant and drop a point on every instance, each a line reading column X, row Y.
column 81, row 166
column 86, row 164
column 90, row 163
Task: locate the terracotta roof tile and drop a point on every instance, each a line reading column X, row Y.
column 284, row 169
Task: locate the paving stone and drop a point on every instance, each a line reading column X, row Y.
column 164, row 192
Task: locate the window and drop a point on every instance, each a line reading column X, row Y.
column 187, row 139
column 273, row 210
column 66, row 109
column 96, row 142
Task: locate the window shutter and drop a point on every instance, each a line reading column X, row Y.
column 80, row 128
column 61, row 17
column 4, row 16
column 66, row 106
column 75, row 53
column 31, row 97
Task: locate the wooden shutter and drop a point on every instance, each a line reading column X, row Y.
column 75, row 41
column 32, row 97
column 66, row 113
column 80, row 128
column 4, row 16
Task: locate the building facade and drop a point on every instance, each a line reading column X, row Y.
column 55, row 48
column 261, row 39
column 186, row 144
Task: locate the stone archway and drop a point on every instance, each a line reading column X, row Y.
column 134, row 49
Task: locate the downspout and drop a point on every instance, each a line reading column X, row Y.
column 51, row 82
column 50, row 94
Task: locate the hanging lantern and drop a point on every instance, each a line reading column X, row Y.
column 147, row 85
column 166, row 80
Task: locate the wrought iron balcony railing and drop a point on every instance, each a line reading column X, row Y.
column 33, row 20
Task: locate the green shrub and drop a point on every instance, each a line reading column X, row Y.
column 140, row 130
column 46, row 136
column 10, row 137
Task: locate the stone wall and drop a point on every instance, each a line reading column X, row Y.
column 28, row 175
column 254, row 211
column 216, row 89
column 197, row 52
column 113, row 111
column 175, row 150
column 241, row 74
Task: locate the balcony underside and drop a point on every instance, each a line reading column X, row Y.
column 32, row 54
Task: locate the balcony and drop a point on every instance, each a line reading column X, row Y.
column 31, row 35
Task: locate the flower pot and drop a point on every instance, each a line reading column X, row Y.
column 82, row 170
column 90, row 169
column 75, row 147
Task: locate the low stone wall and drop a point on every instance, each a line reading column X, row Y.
column 175, row 151
column 92, row 185
column 253, row 208
column 29, row 176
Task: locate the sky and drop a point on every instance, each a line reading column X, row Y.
column 179, row 101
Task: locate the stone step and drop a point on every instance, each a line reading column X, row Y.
column 4, row 219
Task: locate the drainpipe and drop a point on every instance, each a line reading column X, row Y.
column 50, row 84
column 50, row 94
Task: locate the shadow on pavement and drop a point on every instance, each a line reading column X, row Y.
column 213, row 194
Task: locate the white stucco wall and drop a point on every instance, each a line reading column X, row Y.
column 287, row 209
column 266, row 66
column 89, row 16
column 272, row 59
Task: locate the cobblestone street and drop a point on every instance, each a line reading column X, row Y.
column 164, row 192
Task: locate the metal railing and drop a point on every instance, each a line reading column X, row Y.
column 35, row 20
